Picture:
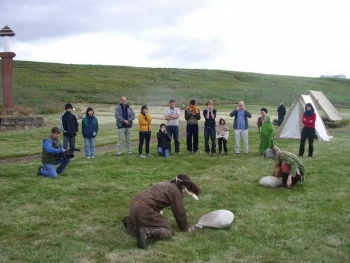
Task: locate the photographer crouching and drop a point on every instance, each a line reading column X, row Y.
column 52, row 155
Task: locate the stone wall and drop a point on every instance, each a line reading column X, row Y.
column 20, row 123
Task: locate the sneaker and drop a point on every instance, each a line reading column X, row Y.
column 118, row 154
column 189, row 152
column 219, row 153
column 196, row 152
column 88, row 157
column 149, row 155
column 142, row 156
column 39, row 170
column 179, row 152
column 92, row 156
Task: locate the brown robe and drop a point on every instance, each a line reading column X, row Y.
column 146, row 205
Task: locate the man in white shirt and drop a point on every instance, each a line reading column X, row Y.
column 172, row 115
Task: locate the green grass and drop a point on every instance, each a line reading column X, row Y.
column 77, row 217
column 48, row 86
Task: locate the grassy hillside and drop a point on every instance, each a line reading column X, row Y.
column 47, row 86
column 77, row 217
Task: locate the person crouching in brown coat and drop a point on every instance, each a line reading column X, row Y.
column 146, row 219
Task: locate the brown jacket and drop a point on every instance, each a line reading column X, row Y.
column 156, row 198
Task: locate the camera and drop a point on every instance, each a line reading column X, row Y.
column 68, row 154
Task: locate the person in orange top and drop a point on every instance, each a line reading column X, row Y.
column 192, row 116
column 308, row 131
column 145, row 130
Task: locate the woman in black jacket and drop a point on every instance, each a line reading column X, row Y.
column 163, row 141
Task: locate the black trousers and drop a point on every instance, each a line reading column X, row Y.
column 70, row 141
column 309, row 133
column 144, row 136
column 221, row 142
column 192, row 132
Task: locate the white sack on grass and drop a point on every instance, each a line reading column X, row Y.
column 271, row 181
column 217, row 219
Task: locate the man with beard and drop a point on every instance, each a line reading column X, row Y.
column 171, row 116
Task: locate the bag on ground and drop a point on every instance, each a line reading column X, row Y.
column 216, row 219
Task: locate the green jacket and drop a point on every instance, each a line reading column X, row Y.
column 293, row 162
column 266, row 134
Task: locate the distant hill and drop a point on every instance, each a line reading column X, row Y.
column 46, row 86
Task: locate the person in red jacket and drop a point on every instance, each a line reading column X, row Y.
column 308, row 131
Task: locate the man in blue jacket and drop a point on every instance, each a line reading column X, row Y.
column 52, row 148
column 240, row 124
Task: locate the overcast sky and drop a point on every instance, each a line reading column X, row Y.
column 286, row 37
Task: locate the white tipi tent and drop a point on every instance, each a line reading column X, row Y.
column 321, row 101
column 292, row 125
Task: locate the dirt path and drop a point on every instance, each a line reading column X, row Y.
column 105, row 148
column 106, row 116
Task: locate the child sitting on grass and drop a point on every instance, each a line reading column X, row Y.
column 163, row 141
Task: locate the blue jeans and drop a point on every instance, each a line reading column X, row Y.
column 49, row 169
column 89, row 146
column 209, row 132
column 163, row 152
column 280, row 120
column 174, row 131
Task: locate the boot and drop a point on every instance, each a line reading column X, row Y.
column 284, row 180
column 129, row 225
column 124, row 222
column 143, row 233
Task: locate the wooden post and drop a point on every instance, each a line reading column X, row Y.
column 7, row 76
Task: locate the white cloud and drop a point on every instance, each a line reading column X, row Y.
column 306, row 38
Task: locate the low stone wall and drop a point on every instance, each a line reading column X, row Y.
column 20, row 123
column 337, row 124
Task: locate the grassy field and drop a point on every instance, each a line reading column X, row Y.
column 77, row 217
column 46, row 87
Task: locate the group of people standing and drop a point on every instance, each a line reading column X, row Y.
column 52, row 149
column 170, row 130
column 213, row 132
column 308, row 131
column 125, row 116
